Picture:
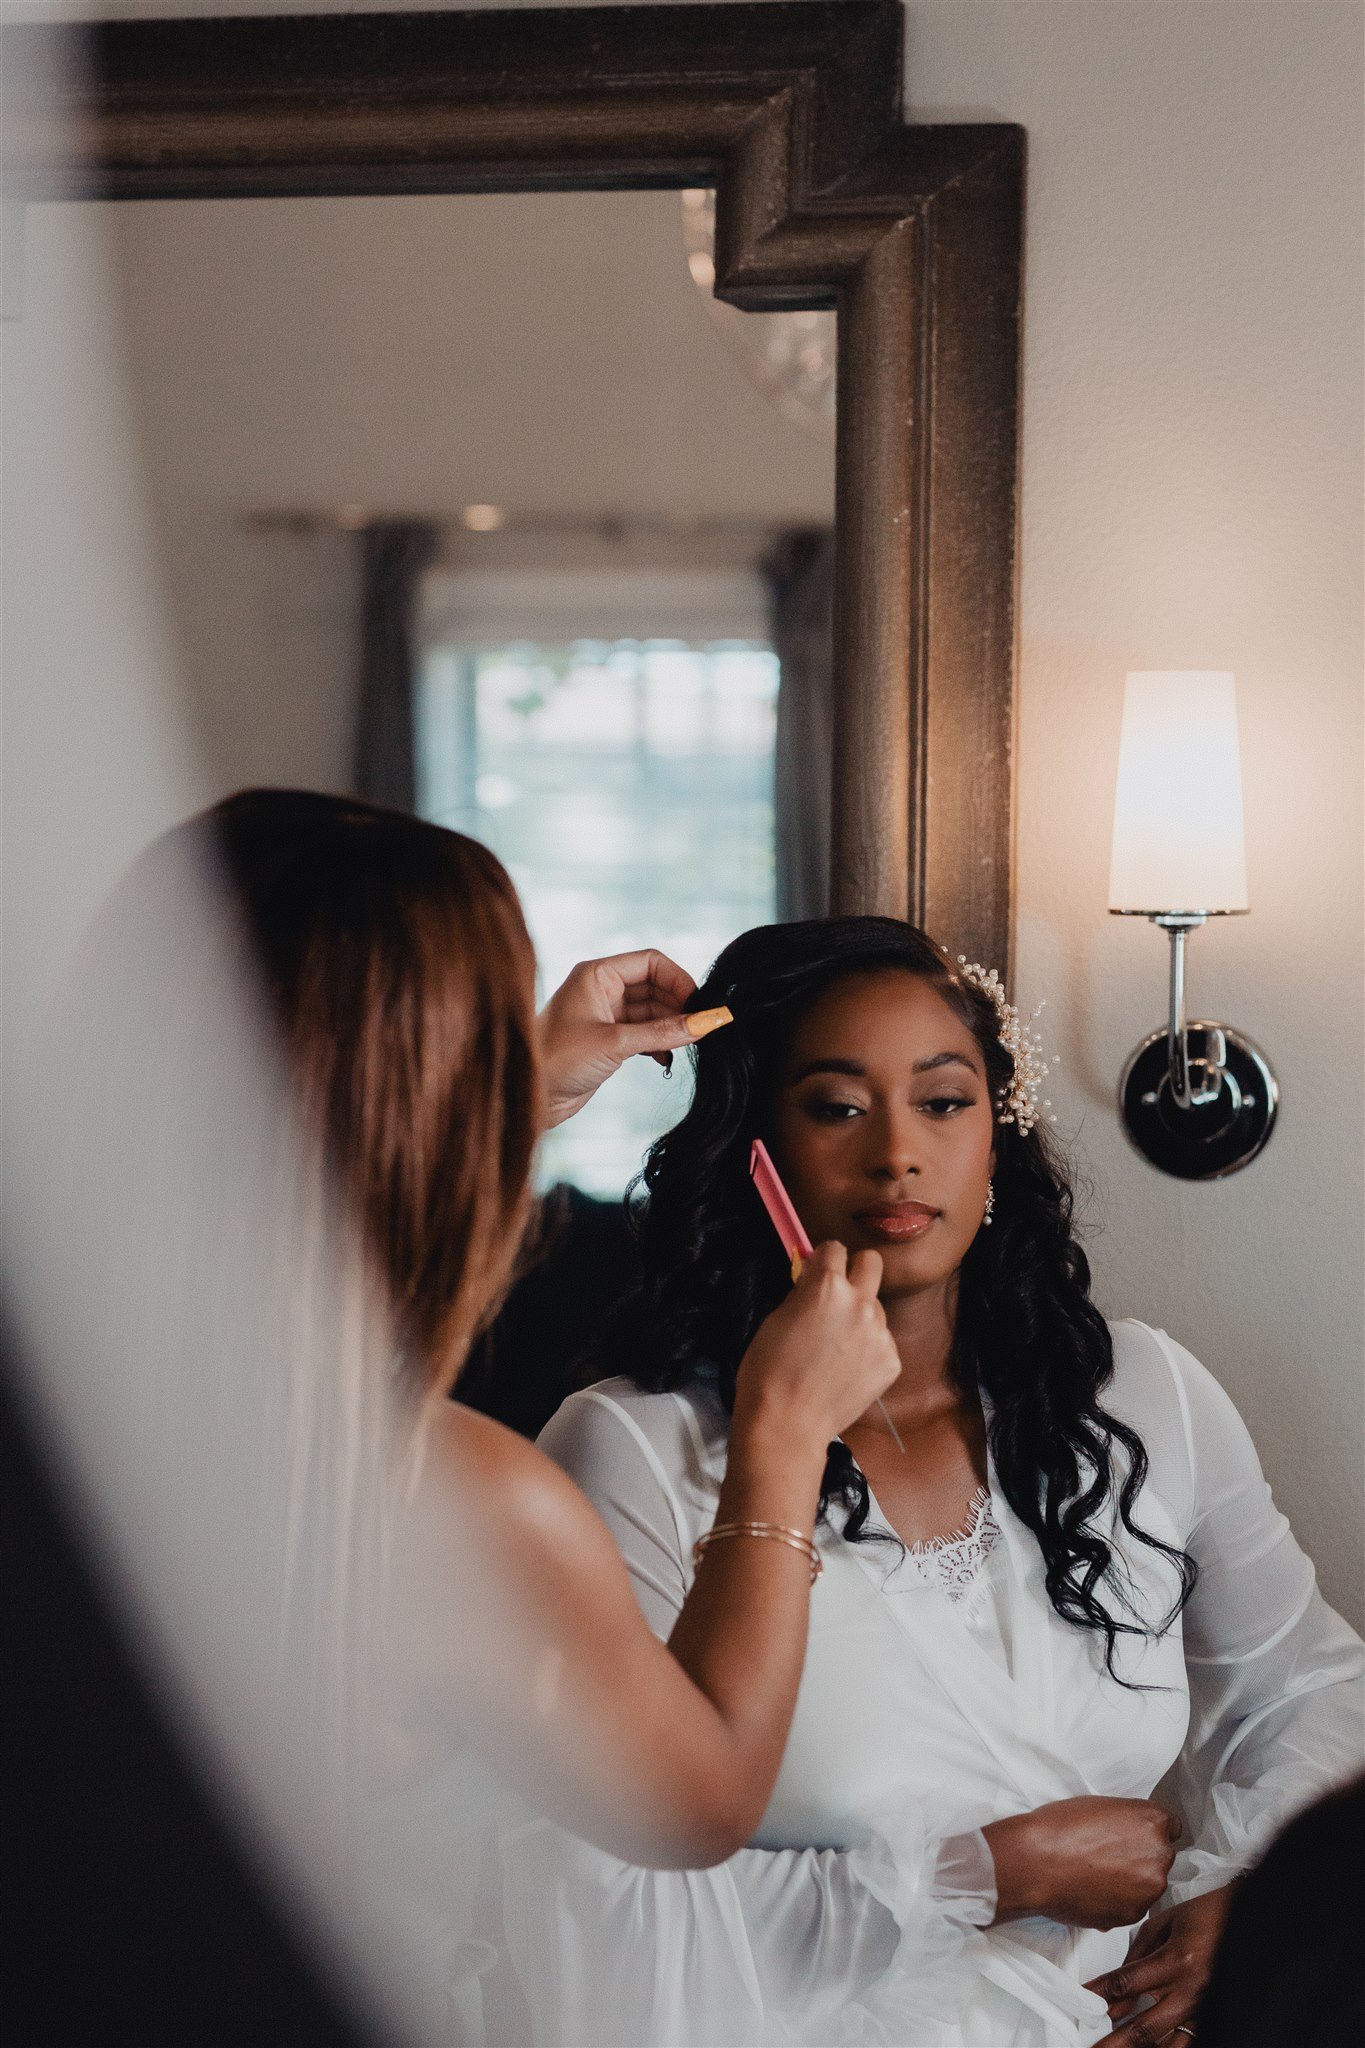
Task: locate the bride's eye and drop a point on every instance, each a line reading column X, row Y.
column 832, row 1112
column 942, row 1106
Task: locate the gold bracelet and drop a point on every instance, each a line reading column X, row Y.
column 774, row 1531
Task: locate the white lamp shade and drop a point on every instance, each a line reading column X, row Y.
column 1178, row 837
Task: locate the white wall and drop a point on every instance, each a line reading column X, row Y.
column 1192, row 499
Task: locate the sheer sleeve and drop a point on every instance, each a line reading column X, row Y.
column 1277, row 1708
column 776, row 1946
column 602, row 1446
column 781, row 1946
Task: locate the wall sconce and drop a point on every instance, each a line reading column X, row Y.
column 1197, row 1099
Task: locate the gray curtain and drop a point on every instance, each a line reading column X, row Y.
column 800, row 573
column 394, row 554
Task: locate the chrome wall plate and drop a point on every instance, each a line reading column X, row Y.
column 1216, row 1137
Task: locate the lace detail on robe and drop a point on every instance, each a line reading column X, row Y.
column 953, row 1563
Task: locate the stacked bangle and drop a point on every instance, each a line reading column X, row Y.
column 774, row 1531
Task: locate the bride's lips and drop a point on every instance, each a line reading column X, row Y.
column 897, row 1222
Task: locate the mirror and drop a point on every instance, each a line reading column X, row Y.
column 824, row 199
column 538, row 506
column 502, row 435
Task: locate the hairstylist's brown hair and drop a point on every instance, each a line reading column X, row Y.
column 400, row 971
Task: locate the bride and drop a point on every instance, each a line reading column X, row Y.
column 1061, row 1578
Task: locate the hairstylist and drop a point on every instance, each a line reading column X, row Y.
column 401, row 976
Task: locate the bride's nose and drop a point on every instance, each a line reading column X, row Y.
column 893, row 1135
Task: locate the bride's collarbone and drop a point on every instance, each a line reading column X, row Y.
column 928, row 1492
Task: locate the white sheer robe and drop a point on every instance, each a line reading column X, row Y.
column 861, row 1913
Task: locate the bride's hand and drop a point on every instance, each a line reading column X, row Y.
column 1090, row 1862
column 608, row 1010
column 1170, row 1960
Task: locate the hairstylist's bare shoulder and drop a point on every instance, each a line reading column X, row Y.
column 509, row 1481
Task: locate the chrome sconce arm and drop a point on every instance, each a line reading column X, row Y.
column 1184, row 1093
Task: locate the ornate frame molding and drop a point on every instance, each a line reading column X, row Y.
column 793, row 110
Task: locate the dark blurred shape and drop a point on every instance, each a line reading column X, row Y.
column 800, row 576
column 578, row 1263
column 1290, row 1971
column 131, row 1913
column 393, row 553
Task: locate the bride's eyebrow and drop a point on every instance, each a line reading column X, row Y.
column 830, row 1066
column 944, row 1059
column 859, row 1072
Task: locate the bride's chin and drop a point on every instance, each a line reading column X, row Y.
column 915, row 1269
column 903, row 1273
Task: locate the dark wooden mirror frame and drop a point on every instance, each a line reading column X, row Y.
column 792, row 109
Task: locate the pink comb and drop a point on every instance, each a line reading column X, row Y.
column 789, row 1227
column 778, row 1204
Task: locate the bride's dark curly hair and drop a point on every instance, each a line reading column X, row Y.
column 1027, row 1335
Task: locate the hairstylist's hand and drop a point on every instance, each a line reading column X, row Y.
column 1088, row 1862
column 821, row 1359
column 1170, row 1960
column 605, row 1012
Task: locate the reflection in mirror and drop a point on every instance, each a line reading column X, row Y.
column 609, row 733
column 469, row 503
column 792, row 357
column 492, row 455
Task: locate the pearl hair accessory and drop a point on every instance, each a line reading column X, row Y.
column 1021, row 1102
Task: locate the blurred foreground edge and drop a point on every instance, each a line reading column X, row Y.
column 131, row 1912
column 1288, row 1972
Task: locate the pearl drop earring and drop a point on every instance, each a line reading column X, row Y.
column 989, row 1216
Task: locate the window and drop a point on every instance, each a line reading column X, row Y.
column 627, row 785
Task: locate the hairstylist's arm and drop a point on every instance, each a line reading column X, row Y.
column 607, row 1011
column 667, row 1755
